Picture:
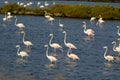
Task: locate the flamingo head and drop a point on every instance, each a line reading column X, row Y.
column 105, row 47
column 84, row 22
column 64, row 32
column 118, row 39
column 17, row 46
column 118, row 26
column 113, row 42
column 50, row 34
column 22, row 32
column 45, row 45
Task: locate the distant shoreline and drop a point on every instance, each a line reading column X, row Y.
column 66, row 10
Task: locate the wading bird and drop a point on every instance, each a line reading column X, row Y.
column 27, row 43
column 19, row 25
column 72, row 56
column 69, row 45
column 89, row 32
column 92, row 19
column 54, row 45
column 107, row 57
column 116, row 48
column 118, row 32
column 21, row 53
column 60, row 24
column 52, row 59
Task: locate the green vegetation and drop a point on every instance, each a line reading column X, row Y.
column 65, row 10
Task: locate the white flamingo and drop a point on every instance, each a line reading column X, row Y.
column 89, row 32
column 115, row 48
column 19, row 25
column 72, row 56
column 21, row 53
column 107, row 57
column 47, row 15
column 27, row 43
column 54, row 45
column 52, row 59
column 5, row 18
column 69, row 45
column 51, row 19
column 60, row 24
column 9, row 16
column 100, row 21
column 118, row 32
column 92, row 19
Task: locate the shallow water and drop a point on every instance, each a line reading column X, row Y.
column 91, row 66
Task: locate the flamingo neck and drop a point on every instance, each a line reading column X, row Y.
column 16, row 21
column 114, row 47
column 18, row 51
column 84, row 28
column 68, row 52
column 47, row 52
column 24, row 37
column 118, row 32
column 50, row 40
column 105, row 52
column 5, row 15
column 59, row 22
column 65, row 39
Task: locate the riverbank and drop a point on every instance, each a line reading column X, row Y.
column 66, row 10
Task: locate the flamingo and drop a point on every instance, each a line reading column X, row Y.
column 118, row 32
column 47, row 15
column 107, row 57
column 100, row 21
column 19, row 25
column 54, row 45
column 72, row 56
column 116, row 48
column 51, row 19
column 21, row 53
column 60, row 24
column 69, row 45
column 27, row 43
column 5, row 18
column 52, row 59
column 119, row 41
column 9, row 16
column 92, row 19
column 46, row 4
column 89, row 32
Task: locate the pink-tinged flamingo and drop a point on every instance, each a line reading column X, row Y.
column 72, row 56
column 27, row 43
column 21, row 53
column 89, row 32
column 54, row 45
column 107, row 57
column 69, row 45
column 52, row 59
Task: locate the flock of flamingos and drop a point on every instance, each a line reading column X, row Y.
column 89, row 32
